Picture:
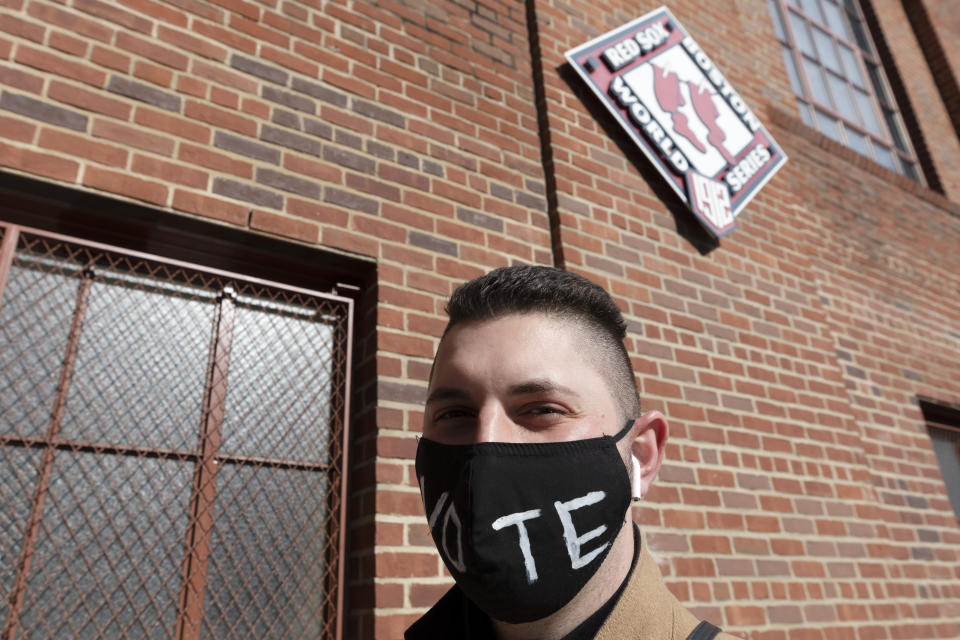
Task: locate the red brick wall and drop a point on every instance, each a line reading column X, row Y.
column 801, row 497
column 801, row 491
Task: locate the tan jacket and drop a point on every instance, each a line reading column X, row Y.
column 647, row 610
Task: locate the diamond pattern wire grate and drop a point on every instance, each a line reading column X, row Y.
column 137, row 396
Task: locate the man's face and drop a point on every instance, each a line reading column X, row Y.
column 518, row 378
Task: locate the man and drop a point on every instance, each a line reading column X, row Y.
column 533, row 447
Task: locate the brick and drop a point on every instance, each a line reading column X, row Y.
column 373, row 187
column 348, row 159
column 68, row 44
column 288, row 99
column 319, row 91
column 204, row 157
column 43, row 111
column 13, row 129
column 426, row 595
column 744, row 615
column 291, row 140
column 348, row 241
column 46, row 61
column 170, row 172
column 151, row 50
column 110, row 59
column 316, row 212
column 144, row 93
column 80, row 146
column 317, row 128
column 73, row 22
column 125, row 185
column 402, row 176
column 217, row 73
column 479, row 219
column 173, row 124
column 114, row 14
column 187, row 41
column 22, row 28
column 220, row 118
column 259, row 69
column 134, row 137
column 312, row 168
column 294, row 62
column 43, row 164
column 287, row 119
column 246, row 147
column 691, row 566
column 284, row 226
column 350, row 200
column 347, row 120
column 210, row 207
column 16, row 79
column 286, row 182
column 375, row 111
column 88, row 100
column 248, row 193
column 433, row 243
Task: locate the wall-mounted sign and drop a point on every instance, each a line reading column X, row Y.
column 681, row 111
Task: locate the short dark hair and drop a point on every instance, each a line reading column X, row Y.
column 558, row 293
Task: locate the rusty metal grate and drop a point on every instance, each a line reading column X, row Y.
column 171, row 448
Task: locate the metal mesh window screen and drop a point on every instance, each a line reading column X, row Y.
column 170, row 448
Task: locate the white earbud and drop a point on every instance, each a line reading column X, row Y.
column 637, row 480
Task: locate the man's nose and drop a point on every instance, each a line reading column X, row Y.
column 493, row 425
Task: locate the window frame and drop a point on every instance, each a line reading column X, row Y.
column 189, row 622
column 893, row 138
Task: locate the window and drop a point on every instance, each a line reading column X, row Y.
column 943, row 425
column 171, row 447
column 840, row 86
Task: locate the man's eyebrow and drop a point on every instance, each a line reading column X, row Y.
column 540, row 386
column 447, row 393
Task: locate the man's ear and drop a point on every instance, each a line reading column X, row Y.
column 648, row 447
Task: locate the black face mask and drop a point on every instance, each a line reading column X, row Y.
column 522, row 527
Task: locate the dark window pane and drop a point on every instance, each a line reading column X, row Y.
column 877, row 83
column 827, row 50
column 801, row 31
column 777, row 20
column 812, row 9
column 141, row 363
column 35, row 315
column 818, row 83
column 110, row 548
column 835, row 19
column 868, row 113
column 278, row 402
column 843, row 99
column 894, row 127
column 858, row 142
column 850, row 66
column 946, row 445
column 910, row 170
column 791, row 66
column 828, row 126
column 860, row 34
column 885, row 158
column 19, row 469
column 267, row 571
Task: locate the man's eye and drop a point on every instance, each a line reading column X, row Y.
column 452, row 413
column 546, row 410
